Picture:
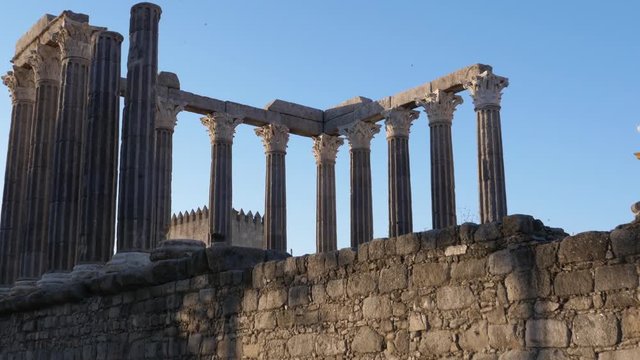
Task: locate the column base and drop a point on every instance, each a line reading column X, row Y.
column 127, row 260
column 23, row 286
column 86, row 271
column 4, row 291
column 53, row 279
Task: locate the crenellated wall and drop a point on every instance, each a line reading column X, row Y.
column 506, row 290
column 246, row 229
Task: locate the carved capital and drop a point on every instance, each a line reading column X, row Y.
column 45, row 61
column 398, row 121
column 21, row 85
column 439, row 106
column 221, row 126
column 74, row 39
column 274, row 137
column 166, row 113
column 486, row 89
column 325, row 148
column 360, row 134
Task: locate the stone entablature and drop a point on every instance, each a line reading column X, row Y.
column 502, row 290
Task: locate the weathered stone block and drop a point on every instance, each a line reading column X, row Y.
column 578, row 282
column 250, row 300
column 527, row 285
column 336, row 288
column 265, row 320
column 417, row 322
column 436, row 342
column 624, row 242
column 631, row 323
column 546, row 255
column 361, row 284
column 517, row 224
column 272, row 299
column 500, row 262
column 298, row 295
column 393, row 278
column 318, row 294
column 430, row 274
column 616, row 277
column 315, row 266
column 546, row 333
column 367, row 340
column 377, row 249
column 487, row 232
column 504, row 337
column 587, row 246
column 466, row 232
column 301, row 345
column 407, row 244
column 454, row 297
column 376, row 307
column 330, row 345
column 475, row 338
column 469, row 269
column 346, row 256
column 595, row 330
column 626, row 354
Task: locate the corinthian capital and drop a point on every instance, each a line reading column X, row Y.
column 398, row 121
column 45, row 61
column 274, row 137
column 74, row 39
column 20, row 84
column 221, row 126
column 486, row 89
column 360, row 134
column 439, row 106
column 166, row 113
column 325, row 148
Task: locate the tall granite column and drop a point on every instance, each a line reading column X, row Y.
column 100, row 165
column 275, row 138
column 439, row 106
column 221, row 127
column 74, row 39
column 45, row 61
column 325, row 149
column 21, row 86
column 359, row 136
column 398, row 121
column 136, row 200
column 486, row 92
column 166, row 112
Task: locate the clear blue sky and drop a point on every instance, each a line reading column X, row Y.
column 569, row 116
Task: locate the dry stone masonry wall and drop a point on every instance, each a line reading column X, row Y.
column 513, row 289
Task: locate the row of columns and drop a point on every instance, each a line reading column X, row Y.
column 439, row 106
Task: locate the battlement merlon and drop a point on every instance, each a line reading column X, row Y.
column 43, row 32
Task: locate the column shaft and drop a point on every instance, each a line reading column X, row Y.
column 326, row 230
column 275, row 203
column 220, row 192
column 136, row 200
column 100, row 165
column 34, row 251
column 66, row 172
column 164, row 156
column 400, row 215
column 493, row 198
column 14, row 194
column 443, row 195
column 361, row 199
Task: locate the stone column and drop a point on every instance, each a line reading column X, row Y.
column 45, row 61
column 359, row 136
column 100, row 164
column 74, row 39
column 275, row 138
column 398, row 121
column 166, row 112
column 21, row 87
column 221, row 127
column 486, row 92
column 136, row 200
column 325, row 149
column 439, row 106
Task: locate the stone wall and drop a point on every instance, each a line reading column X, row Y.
column 508, row 290
column 246, row 229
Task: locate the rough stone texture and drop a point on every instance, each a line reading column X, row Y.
column 398, row 298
